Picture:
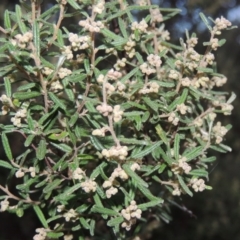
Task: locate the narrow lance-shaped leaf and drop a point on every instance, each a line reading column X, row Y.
column 184, row 186
column 41, row 150
column 6, row 147
column 40, row 215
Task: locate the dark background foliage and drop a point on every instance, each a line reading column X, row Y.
column 209, row 215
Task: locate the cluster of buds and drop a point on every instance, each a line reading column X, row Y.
column 154, row 60
column 104, row 109
column 41, row 234
column 173, row 74
column 130, row 214
column 219, row 81
column 130, row 48
column 192, row 42
column 198, row 185
column 156, row 16
column 7, row 103
column 64, row 72
column 186, row 82
column 78, row 174
column 114, row 75
column 78, row 42
column 120, row 63
column 56, row 86
column 89, row 186
column 99, row 132
column 219, row 131
column 202, row 81
column 16, row 120
column 227, row 108
column 220, row 24
column 176, row 191
column 67, row 52
column 173, row 118
column 111, row 184
column 70, row 215
column 182, row 108
column 47, row 71
column 22, row 40
column 110, row 89
column 99, row 7
column 4, row 205
column 181, row 165
column 214, row 43
column 90, row 25
column 117, row 113
column 146, row 69
column 150, row 87
column 119, row 152
column 121, row 87
column 141, row 26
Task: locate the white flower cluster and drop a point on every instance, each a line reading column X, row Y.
column 145, row 68
column 209, row 58
column 89, row 186
column 154, row 60
column 156, row 16
column 66, row 51
column 131, row 214
column 192, row 42
column 202, row 81
column 198, row 185
column 121, row 87
column 47, row 71
column 90, row 25
column 130, row 48
column 64, row 72
column 32, row 171
column 16, row 120
column 181, row 165
column 19, row 173
column 150, row 87
column 42, row 234
column 173, row 74
column 117, row 113
column 119, row 152
column 4, row 205
column 104, row 109
column 186, row 82
column 219, row 81
column 7, row 102
column 141, row 26
column 99, row 132
column 176, row 191
column 114, row 75
column 78, row 174
column 220, row 24
column 182, row 108
column 219, row 131
column 68, row 237
column 227, row 108
column 111, row 183
column 173, row 118
column 70, row 215
column 99, row 7
column 22, row 40
column 214, row 43
column 55, row 86
column 110, row 89
column 120, row 63
column 78, row 42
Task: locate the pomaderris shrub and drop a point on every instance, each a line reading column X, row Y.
column 115, row 119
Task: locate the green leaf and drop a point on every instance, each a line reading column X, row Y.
column 26, row 95
column 145, row 191
column 8, row 88
column 194, row 153
column 6, row 147
column 161, row 133
column 62, row 146
column 5, row 164
column 210, row 159
column 147, row 205
column 57, row 101
column 184, row 186
column 84, row 223
column 7, row 21
column 26, row 86
column 41, row 150
column 202, row 16
column 51, row 186
column 105, row 211
column 176, row 146
column 20, row 22
column 92, row 227
column 146, row 151
column 36, row 37
column 153, row 105
column 74, row 4
column 179, row 100
column 54, row 235
column 40, row 215
column 69, row 191
column 199, row 173
column 29, row 140
column 115, row 221
column 134, row 176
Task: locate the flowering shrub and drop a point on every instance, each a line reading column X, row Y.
column 116, row 120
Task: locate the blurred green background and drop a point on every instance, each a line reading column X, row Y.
column 209, row 215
